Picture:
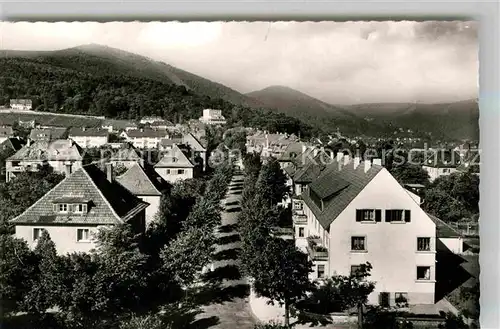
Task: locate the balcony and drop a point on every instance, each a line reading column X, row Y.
column 315, row 250
column 299, row 218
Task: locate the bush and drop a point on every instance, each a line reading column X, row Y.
column 270, row 325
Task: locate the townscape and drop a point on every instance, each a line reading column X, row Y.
column 192, row 211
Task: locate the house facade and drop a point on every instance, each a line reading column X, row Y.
column 63, row 155
column 75, row 209
column 47, row 134
column 89, row 137
column 144, row 138
column 175, row 165
column 352, row 214
column 213, row 117
column 441, row 163
column 196, row 146
column 21, row 104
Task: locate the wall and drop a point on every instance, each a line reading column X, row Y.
column 455, row 245
column 391, row 247
column 152, row 209
column 188, row 173
column 438, row 172
column 89, row 141
column 64, row 237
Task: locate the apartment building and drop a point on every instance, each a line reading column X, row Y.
column 89, row 137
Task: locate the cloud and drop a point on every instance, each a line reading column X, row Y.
column 338, row 62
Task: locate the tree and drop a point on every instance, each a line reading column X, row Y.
column 271, row 183
column 410, row 174
column 283, row 274
column 17, row 266
column 252, row 164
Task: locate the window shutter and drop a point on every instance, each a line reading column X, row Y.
column 407, row 216
column 79, row 234
column 54, row 207
column 378, row 215
column 388, row 215
column 359, row 215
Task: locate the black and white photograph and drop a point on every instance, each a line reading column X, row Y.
column 239, row 174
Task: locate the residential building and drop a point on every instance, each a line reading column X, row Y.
column 147, row 185
column 75, row 209
column 441, row 163
column 48, row 134
column 161, row 125
column 150, row 119
column 175, row 165
column 60, row 154
column 144, row 138
column 21, row 104
column 6, row 132
column 213, row 117
column 168, row 143
column 89, row 137
column 353, row 213
column 12, row 144
column 199, row 151
column 126, row 155
column 268, row 145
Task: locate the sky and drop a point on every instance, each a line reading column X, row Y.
column 337, row 62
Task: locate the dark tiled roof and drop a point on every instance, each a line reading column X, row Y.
column 47, row 133
column 291, row 152
column 57, row 150
column 148, row 133
column 170, row 141
column 13, row 143
column 174, row 158
column 161, row 123
column 90, row 132
column 20, row 101
column 334, row 204
column 127, row 153
column 444, row 230
column 193, row 142
column 110, row 203
column 137, row 181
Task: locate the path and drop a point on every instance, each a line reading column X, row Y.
column 235, row 312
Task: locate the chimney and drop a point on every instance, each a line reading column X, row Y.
column 340, row 156
column 28, row 142
column 377, row 161
column 347, row 159
column 368, row 165
column 304, row 147
column 356, row 162
column 109, row 172
column 67, row 169
column 315, row 151
column 83, row 128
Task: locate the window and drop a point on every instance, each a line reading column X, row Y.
column 301, row 232
column 401, row 298
column 80, row 208
column 297, row 205
column 63, row 207
column 37, row 233
column 83, row 235
column 168, row 171
column 355, row 269
column 368, row 215
column 397, row 215
column 180, row 171
column 423, row 272
column 358, row 243
column 321, row 271
column 424, row 244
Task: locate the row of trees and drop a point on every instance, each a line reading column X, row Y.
column 128, row 275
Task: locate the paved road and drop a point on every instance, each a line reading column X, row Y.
column 235, row 313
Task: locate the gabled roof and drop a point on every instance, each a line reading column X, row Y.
column 88, row 132
column 47, row 133
column 174, row 158
column 137, row 181
column 58, row 150
column 13, row 143
column 444, row 230
column 160, row 123
column 127, row 153
column 193, row 142
column 291, row 151
column 166, row 142
column 108, row 202
column 337, row 187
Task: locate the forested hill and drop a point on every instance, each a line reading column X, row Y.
column 87, row 84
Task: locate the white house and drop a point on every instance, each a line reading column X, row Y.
column 355, row 213
column 441, row 163
column 144, row 138
column 146, row 120
column 75, row 209
column 21, row 104
column 213, row 117
column 147, row 185
column 63, row 155
column 89, row 137
column 174, row 165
